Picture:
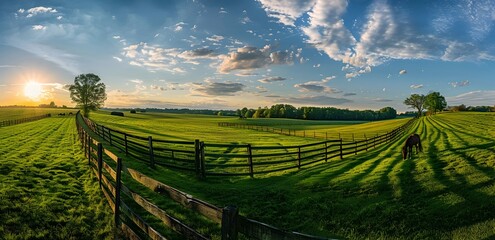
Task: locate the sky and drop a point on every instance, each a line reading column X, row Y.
column 231, row 54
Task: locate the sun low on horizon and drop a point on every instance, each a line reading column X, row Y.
column 33, row 90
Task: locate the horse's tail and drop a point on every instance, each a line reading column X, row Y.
column 420, row 146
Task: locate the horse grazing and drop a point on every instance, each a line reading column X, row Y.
column 411, row 141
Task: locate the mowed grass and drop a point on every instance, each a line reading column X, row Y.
column 189, row 127
column 18, row 113
column 46, row 188
column 446, row 192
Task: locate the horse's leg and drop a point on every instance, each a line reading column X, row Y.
column 409, row 151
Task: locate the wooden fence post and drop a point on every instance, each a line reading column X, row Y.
column 366, row 139
column 229, row 222
column 341, row 156
column 152, row 156
column 118, row 184
column 374, row 140
column 250, row 160
column 89, row 150
column 110, row 136
column 202, row 160
column 125, row 142
column 299, row 157
column 100, row 161
column 197, row 156
column 355, row 148
column 326, row 151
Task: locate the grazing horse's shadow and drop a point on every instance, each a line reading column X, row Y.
column 411, row 141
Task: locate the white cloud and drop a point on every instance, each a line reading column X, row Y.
column 116, row 37
column 153, row 58
column 286, row 11
column 63, row 59
column 402, row 72
column 316, row 86
column 39, row 27
column 118, row 59
column 215, row 38
column 251, row 58
column 272, row 79
column 59, row 18
column 37, row 10
column 416, row 86
column 385, row 35
column 211, row 88
column 460, row 84
column 474, row 98
column 21, row 10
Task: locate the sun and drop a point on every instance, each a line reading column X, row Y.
column 33, row 90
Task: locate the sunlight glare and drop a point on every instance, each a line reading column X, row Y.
column 33, row 90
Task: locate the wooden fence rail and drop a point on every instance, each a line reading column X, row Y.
column 133, row 226
column 214, row 159
column 23, row 120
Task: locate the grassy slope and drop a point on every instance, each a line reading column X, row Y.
column 46, row 188
column 18, row 113
column 447, row 192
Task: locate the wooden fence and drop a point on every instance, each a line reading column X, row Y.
column 214, row 159
column 109, row 169
column 23, row 120
column 351, row 137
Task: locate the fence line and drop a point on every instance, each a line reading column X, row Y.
column 300, row 133
column 23, row 120
column 133, row 226
column 214, row 159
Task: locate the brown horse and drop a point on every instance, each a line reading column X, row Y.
column 411, row 141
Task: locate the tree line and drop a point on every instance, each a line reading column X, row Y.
column 316, row 113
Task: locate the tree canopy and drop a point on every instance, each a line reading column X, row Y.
column 416, row 101
column 435, row 102
column 88, row 92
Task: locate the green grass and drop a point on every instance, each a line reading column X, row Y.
column 46, row 188
column 18, row 113
column 190, row 127
column 446, row 192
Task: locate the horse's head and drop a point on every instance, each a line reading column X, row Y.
column 404, row 152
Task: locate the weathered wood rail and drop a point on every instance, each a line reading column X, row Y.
column 109, row 169
column 214, row 159
column 22, row 120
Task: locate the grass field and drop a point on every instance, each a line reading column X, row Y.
column 18, row 113
column 203, row 127
column 446, row 192
column 46, row 188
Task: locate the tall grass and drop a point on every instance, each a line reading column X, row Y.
column 46, row 188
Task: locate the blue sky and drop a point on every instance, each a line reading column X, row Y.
column 231, row 54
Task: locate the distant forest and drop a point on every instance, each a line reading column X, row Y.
column 317, row 113
column 309, row 113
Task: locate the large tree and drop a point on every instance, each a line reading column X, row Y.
column 88, row 93
column 435, row 102
column 416, row 101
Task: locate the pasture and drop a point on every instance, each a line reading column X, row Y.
column 11, row 113
column 46, row 188
column 189, row 127
column 446, row 192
